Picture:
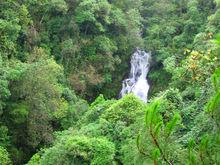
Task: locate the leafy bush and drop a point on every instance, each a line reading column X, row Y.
column 4, row 157
column 77, row 150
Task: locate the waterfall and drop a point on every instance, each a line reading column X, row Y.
column 137, row 82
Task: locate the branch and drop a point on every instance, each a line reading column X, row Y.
column 158, row 146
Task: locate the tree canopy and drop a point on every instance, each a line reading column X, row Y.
column 62, row 63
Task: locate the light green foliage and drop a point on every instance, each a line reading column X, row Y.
column 116, row 120
column 124, row 110
column 96, row 109
column 78, row 150
column 214, row 103
column 35, row 160
column 4, row 157
column 55, row 55
column 112, row 117
column 159, row 133
column 120, row 123
column 4, row 137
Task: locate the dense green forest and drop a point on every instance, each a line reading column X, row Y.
column 62, row 63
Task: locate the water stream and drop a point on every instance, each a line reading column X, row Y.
column 137, row 81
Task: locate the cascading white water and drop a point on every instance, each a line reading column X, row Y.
column 137, row 82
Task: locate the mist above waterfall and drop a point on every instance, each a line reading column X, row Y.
column 137, row 82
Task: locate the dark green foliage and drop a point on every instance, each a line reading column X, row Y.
column 56, row 53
